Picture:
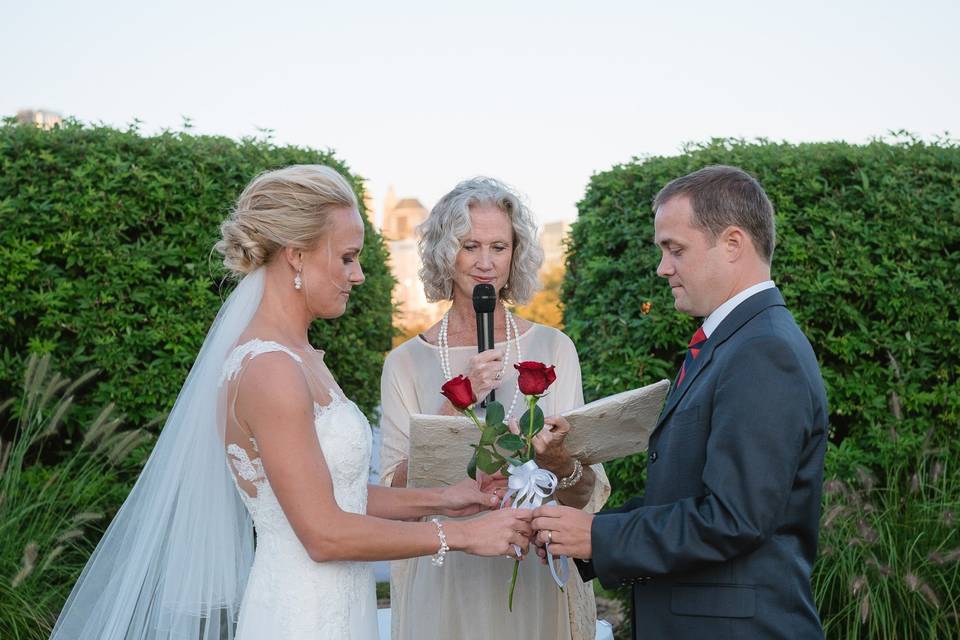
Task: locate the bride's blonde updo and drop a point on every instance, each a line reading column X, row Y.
column 286, row 207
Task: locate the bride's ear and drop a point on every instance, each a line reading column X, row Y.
column 294, row 257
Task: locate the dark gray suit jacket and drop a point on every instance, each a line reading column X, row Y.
column 724, row 540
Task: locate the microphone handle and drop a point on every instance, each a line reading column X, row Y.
column 484, row 342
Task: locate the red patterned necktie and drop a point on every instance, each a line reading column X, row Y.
column 693, row 350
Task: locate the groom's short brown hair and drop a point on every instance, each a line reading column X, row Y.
column 722, row 196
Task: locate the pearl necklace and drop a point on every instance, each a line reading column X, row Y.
column 444, row 345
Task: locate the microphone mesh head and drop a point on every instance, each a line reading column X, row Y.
column 484, row 298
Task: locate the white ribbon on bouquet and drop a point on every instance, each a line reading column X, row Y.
column 527, row 487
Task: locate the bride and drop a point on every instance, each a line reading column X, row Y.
column 261, row 437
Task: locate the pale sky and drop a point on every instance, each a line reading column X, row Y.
column 420, row 95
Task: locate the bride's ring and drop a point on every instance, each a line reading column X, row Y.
column 499, row 375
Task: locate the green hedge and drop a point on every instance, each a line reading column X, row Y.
column 106, row 243
column 868, row 259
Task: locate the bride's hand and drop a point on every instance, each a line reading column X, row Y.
column 494, row 485
column 470, row 496
column 493, row 534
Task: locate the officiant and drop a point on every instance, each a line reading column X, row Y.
column 481, row 233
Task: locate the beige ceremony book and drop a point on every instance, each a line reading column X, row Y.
column 613, row 427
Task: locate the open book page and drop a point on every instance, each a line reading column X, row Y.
column 613, row 427
column 616, row 426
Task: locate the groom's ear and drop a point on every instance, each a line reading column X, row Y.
column 734, row 242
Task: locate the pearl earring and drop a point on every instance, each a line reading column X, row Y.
column 298, row 282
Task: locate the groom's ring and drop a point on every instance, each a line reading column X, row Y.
column 549, row 537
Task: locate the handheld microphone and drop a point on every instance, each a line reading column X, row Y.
column 484, row 304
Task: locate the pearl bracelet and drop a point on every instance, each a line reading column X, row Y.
column 437, row 559
column 573, row 478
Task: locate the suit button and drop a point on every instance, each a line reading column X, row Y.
column 653, row 456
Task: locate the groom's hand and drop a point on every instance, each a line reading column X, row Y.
column 566, row 529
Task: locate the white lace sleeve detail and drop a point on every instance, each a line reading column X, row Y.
column 252, row 348
column 335, row 401
column 249, row 470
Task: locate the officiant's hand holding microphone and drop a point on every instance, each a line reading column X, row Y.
column 484, row 371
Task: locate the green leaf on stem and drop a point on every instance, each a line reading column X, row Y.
column 528, row 429
column 495, row 413
column 489, row 436
column 472, row 466
column 488, row 462
column 511, row 442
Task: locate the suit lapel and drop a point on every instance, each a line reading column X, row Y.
column 741, row 315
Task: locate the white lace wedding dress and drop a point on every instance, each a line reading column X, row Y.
column 289, row 596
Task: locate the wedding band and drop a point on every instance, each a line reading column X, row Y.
column 549, row 537
column 499, row 375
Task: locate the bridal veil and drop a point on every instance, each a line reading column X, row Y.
column 174, row 561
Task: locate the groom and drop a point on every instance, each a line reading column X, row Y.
column 723, row 542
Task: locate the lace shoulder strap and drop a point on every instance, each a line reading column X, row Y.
column 251, row 348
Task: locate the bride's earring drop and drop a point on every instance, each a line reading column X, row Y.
column 298, row 281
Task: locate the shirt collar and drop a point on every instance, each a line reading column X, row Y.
column 714, row 319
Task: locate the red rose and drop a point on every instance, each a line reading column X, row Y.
column 459, row 392
column 534, row 378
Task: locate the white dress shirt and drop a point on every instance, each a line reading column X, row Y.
column 714, row 319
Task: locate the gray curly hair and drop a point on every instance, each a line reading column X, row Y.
column 449, row 221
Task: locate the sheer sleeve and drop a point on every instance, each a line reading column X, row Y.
column 398, row 397
column 242, row 449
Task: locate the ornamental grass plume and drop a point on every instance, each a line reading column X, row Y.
column 890, row 559
column 864, row 608
column 52, row 497
column 26, row 565
column 858, row 584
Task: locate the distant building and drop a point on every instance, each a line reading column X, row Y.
column 552, row 236
column 401, row 217
column 400, row 220
column 43, row 119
